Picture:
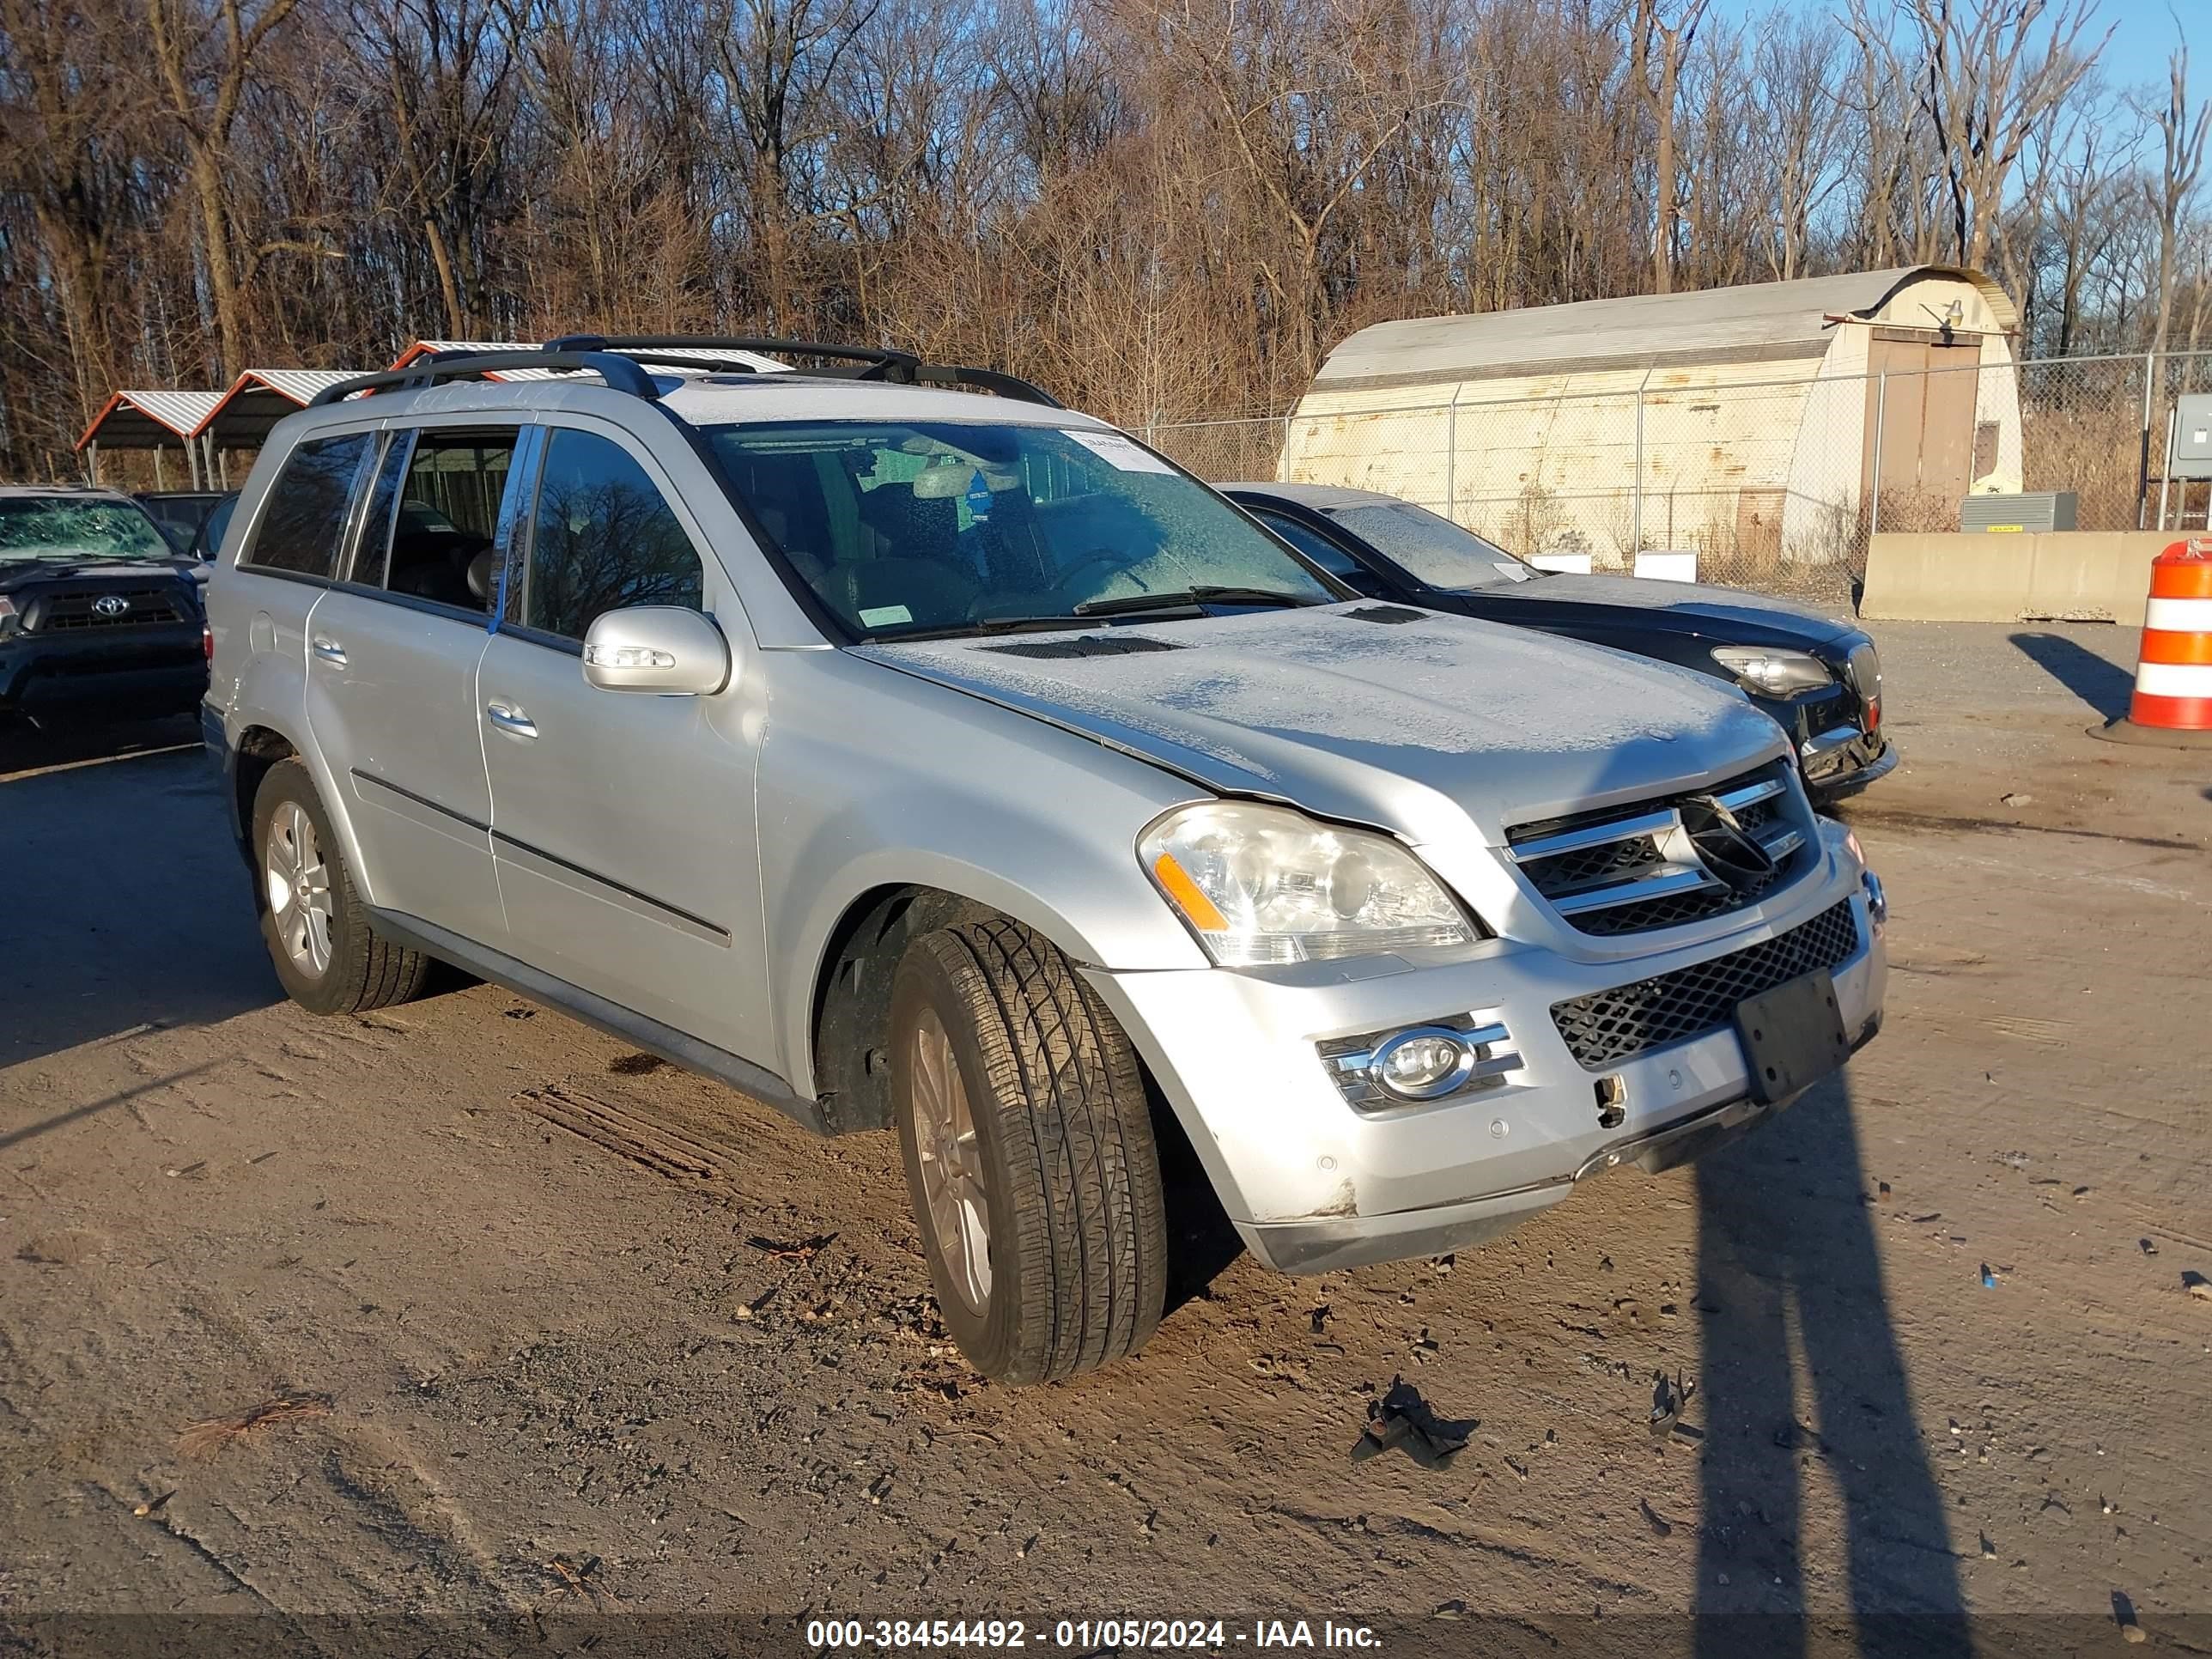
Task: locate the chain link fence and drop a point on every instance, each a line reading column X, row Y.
column 1773, row 482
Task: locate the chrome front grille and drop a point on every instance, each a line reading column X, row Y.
column 1607, row 1027
column 1637, row 869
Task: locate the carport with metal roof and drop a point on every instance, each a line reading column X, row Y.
column 158, row 421
column 259, row 397
column 257, row 400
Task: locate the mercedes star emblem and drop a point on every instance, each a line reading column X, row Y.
column 1724, row 847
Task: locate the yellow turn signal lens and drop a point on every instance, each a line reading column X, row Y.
column 1178, row 885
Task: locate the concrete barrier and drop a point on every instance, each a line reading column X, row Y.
column 2068, row 575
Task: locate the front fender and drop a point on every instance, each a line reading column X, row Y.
column 870, row 778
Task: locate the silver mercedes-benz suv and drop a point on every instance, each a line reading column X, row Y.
column 908, row 757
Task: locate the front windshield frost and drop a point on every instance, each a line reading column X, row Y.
column 903, row 528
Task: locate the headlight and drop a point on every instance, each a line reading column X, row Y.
column 1776, row 673
column 1266, row 885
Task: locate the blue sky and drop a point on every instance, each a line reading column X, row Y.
column 2144, row 34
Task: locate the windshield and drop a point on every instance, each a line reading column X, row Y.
column 77, row 527
column 1431, row 548
column 948, row 527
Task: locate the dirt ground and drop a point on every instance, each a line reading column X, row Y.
column 556, row 1335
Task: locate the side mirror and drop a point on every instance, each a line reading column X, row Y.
column 662, row 648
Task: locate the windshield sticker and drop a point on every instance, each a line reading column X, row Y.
column 979, row 498
column 1119, row 453
column 884, row 616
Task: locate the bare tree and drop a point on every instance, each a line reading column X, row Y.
column 204, row 59
column 2183, row 136
column 1986, row 75
column 1660, row 46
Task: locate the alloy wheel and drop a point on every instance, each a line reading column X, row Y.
column 951, row 1162
column 299, row 884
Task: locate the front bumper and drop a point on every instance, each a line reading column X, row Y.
column 1313, row 1184
column 161, row 670
column 1841, row 762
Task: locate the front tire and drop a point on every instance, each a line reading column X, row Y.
column 1028, row 1143
column 326, row 954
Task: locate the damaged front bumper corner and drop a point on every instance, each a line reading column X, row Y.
column 1325, row 1244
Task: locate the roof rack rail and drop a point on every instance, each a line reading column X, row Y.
column 620, row 363
column 621, row 373
column 867, row 362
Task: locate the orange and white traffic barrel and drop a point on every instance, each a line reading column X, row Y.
column 2172, row 700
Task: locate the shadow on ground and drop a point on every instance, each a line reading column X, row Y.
column 128, row 905
column 2104, row 686
column 1789, row 1285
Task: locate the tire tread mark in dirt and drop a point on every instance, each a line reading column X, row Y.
column 382, row 1515
column 656, row 1147
column 1521, row 1556
column 205, row 1553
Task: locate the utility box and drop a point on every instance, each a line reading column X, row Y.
column 2191, row 455
column 2048, row 510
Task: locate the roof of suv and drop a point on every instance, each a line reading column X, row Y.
column 716, row 400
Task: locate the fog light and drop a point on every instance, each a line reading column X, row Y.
column 1877, row 901
column 1422, row 1063
column 1382, row 1070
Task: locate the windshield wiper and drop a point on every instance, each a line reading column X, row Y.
column 1190, row 597
column 982, row 625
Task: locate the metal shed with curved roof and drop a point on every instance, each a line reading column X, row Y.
column 1760, row 419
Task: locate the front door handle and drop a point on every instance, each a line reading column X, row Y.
column 506, row 718
column 330, row 650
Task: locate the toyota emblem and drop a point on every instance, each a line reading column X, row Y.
column 1723, row 846
column 111, row 606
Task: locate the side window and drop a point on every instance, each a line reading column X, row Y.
column 445, row 527
column 208, row 542
column 602, row 538
column 372, row 553
column 1318, row 548
column 304, row 520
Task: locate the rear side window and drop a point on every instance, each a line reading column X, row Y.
column 444, row 525
column 602, row 538
column 304, row 519
column 372, row 552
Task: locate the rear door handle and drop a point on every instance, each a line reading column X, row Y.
column 506, row 718
column 330, row 650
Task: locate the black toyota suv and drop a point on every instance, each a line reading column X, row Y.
column 99, row 615
column 1820, row 679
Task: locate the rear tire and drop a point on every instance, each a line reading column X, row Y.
column 328, row 956
column 1023, row 1122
